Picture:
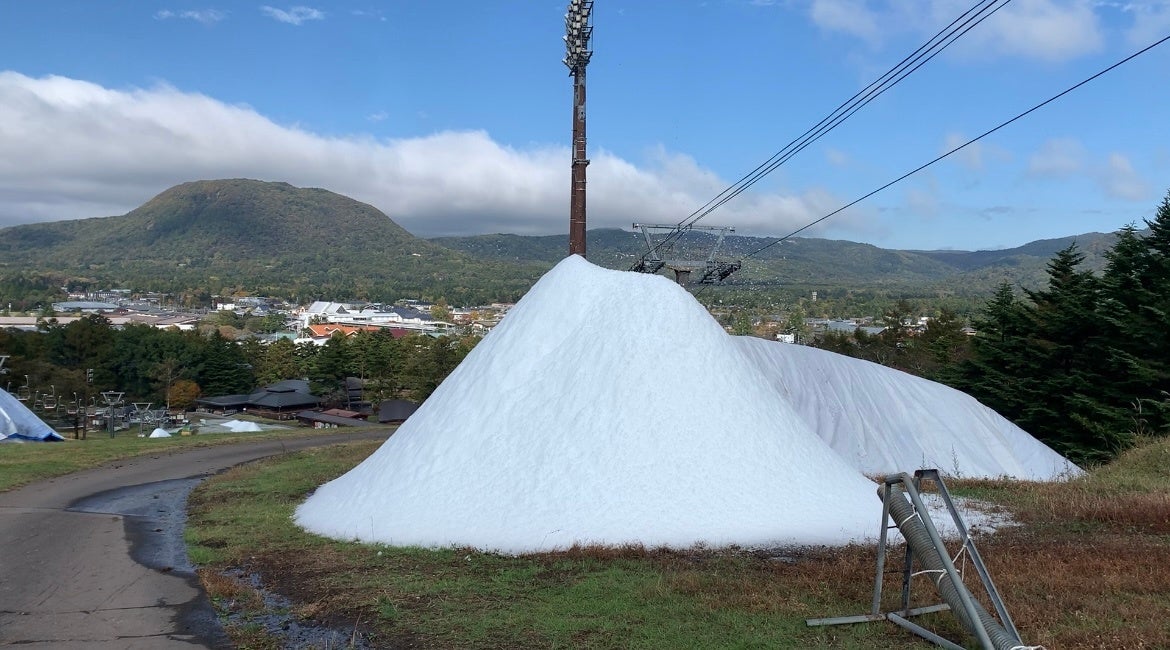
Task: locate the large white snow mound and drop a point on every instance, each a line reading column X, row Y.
column 883, row 420
column 241, row 426
column 19, row 424
column 607, row 408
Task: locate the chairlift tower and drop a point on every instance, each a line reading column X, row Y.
column 709, row 270
column 112, row 399
column 142, row 412
column 578, row 50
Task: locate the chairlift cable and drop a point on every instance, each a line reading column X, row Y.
column 940, row 41
column 862, row 99
column 961, row 147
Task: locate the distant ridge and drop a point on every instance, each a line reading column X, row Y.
column 813, row 262
column 255, row 236
column 240, row 235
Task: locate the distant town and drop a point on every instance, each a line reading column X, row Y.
column 319, row 321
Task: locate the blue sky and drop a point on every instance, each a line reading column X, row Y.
column 453, row 117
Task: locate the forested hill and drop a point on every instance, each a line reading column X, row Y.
column 811, row 262
column 227, row 236
column 232, row 235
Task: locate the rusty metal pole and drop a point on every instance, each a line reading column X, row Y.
column 580, row 162
column 578, row 32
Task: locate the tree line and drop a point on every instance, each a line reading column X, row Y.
column 175, row 367
column 1082, row 363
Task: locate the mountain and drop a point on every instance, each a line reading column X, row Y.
column 810, row 262
column 258, row 237
column 238, row 235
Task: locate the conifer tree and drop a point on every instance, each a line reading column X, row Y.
column 1078, row 414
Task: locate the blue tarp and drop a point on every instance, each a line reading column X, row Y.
column 18, row 424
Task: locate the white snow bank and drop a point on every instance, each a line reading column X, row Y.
column 159, row 433
column 19, row 424
column 608, row 408
column 884, row 420
column 240, row 426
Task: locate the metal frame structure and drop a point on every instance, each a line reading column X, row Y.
column 912, row 487
column 713, row 272
column 578, row 51
column 112, row 398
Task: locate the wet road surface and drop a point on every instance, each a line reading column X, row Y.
column 96, row 559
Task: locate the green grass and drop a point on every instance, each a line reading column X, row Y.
column 462, row 598
column 1084, row 569
column 21, row 464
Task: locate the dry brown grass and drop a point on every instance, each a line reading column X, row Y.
column 230, row 591
column 1088, row 567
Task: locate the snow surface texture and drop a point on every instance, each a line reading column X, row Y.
column 159, row 433
column 240, row 426
column 607, row 408
column 17, row 423
column 886, row 421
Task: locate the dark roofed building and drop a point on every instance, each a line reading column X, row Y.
column 278, row 401
column 224, row 402
column 319, row 420
column 395, row 411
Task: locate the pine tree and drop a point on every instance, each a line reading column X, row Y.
column 999, row 374
column 1137, row 377
column 1080, row 414
column 224, row 370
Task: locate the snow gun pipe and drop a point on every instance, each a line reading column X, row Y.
column 954, row 593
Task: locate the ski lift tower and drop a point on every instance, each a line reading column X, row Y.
column 112, row 399
column 578, row 50
column 709, row 270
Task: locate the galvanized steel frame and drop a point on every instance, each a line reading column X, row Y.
column 912, row 486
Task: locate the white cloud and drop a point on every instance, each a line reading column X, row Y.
column 837, row 158
column 1120, row 180
column 1151, row 21
column 1066, row 158
column 923, row 200
column 373, row 14
column 852, row 17
column 1048, row 30
column 205, row 16
column 75, row 149
column 970, row 156
column 380, row 116
column 294, row 15
column 1058, row 158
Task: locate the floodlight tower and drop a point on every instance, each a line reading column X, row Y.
column 578, row 32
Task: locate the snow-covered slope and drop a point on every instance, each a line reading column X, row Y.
column 883, row 420
column 18, row 424
column 609, row 408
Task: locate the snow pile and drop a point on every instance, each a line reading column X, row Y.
column 883, row 420
column 240, row 426
column 19, row 424
column 608, row 408
column 159, row 433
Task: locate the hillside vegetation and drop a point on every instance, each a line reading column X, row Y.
column 242, row 236
column 249, row 236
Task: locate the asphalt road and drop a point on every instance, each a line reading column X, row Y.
column 95, row 559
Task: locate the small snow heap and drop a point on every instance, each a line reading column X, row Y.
column 241, row 426
column 884, row 421
column 608, row 408
column 159, row 433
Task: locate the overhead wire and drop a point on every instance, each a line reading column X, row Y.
column 865, row 98
column 909, row 64
column 960, row 147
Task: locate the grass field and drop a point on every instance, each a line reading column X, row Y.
column 21, row 464
column 1086, row 568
